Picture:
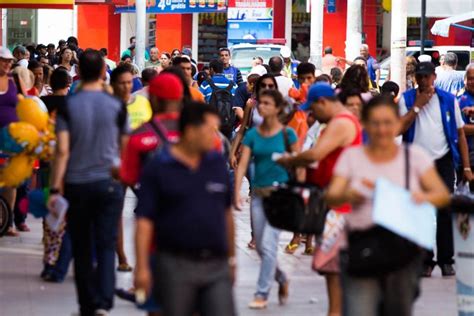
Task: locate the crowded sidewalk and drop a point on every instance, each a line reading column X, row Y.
column 24, row 293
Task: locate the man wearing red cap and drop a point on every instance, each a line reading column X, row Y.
column 166, row 95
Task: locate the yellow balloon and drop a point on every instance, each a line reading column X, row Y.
column 18, row 169
column 24, row 134
column 28, row 110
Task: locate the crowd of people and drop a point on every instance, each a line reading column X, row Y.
column 183, row 140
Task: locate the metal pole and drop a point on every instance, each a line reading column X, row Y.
column 288, row 22
column 316, row 36
column 422, row 26
column 399, row 43
column 353, row 29
column 4, row 28
column 141, row 33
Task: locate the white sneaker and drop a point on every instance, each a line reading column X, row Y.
column 101, row 312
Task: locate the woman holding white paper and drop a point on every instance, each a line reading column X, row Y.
column 394, row 289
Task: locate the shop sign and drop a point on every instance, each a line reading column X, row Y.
column 331, row 6
column 37, row 4
column 249, row 20
column 176, row 6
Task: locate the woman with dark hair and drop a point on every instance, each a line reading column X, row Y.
column 261, row 142
column 165, row 61
column 355, row 173
column 66, row 60
column 251, row 119
column 175, row 53
column 356, row 77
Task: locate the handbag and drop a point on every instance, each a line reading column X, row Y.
column 296, row 207
column 378, row 251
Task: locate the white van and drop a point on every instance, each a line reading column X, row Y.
column 465, row 56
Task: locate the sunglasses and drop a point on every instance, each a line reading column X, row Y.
column 267, row 86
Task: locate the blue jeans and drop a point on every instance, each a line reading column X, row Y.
column 266, row 238
column 92, row 221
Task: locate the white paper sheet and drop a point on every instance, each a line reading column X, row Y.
column 395, row 210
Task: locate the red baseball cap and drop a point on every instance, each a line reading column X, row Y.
column 166, row 87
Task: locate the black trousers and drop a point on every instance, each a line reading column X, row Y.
column 444, row 230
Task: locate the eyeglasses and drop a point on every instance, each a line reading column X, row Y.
column 267, row 86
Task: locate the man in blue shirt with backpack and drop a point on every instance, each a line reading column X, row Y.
column 218, row 92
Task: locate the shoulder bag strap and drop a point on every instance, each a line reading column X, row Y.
column 287, row 141
column 407, row 166
column 159, row 131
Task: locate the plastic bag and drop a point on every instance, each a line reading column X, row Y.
column 462, row 200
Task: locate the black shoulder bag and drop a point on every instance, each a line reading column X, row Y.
column 378, row 251
column 296, row 207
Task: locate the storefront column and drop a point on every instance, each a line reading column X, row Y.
column 173, row 31
column 99, row 27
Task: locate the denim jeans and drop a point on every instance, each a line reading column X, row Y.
column 92, row 221
column 187, row 285
column 266, row 238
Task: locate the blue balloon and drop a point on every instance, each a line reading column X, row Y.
column 37, row 203
column 8, row 144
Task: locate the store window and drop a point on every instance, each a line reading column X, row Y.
column 212, row 35
column 21, row 27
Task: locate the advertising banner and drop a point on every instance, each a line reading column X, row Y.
column 249, row 20
column 37, row 4
column 176, row 6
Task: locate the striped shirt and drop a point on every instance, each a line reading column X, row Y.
column 220, row 81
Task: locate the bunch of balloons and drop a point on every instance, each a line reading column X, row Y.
column 30, row 139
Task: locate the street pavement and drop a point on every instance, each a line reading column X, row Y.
column 23, row 293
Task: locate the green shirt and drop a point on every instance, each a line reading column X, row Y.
column 267, row 171
column 151, row 64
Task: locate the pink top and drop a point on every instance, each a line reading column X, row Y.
column 354, row 164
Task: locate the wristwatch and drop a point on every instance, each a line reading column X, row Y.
column 416, row 109
column 54, row 191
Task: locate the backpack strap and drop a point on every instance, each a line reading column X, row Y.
column 212, row 84
column 230, row 86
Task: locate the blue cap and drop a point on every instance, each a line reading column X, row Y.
column 317, row 91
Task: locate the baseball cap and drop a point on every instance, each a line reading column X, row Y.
column 5, row 53
column 317, row 91
column 257, row 70
column 425, row 68
column 424, row 58
column 285, row 52
column 167, row 87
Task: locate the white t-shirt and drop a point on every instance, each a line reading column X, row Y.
column 429, row 131
column 284, row 85
column 23, row 63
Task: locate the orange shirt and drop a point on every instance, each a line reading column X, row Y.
column 196, row 95
column 299, row 124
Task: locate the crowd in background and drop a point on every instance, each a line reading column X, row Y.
column 335, row 127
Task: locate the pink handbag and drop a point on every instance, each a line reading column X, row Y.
column 326, row 254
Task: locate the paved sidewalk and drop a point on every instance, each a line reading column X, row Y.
column 23, row 293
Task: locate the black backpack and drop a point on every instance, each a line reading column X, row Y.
column 221, row 99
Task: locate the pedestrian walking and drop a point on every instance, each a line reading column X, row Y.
column 450, row 79
column 93, row 124
column 262, row 143
column 466, row 104
column 230, row 72
column 194, row 274
column 390, row 293
column 252, row 118
column 431, row 118
column 343, row 130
